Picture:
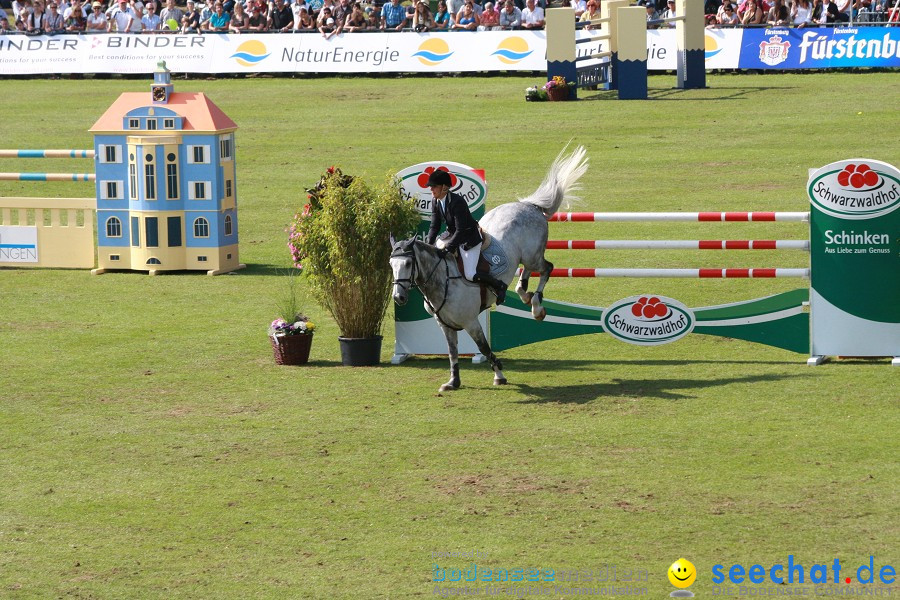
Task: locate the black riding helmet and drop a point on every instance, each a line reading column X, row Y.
column 439, row 178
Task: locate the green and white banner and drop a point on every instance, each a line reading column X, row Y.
column 855, row 258
column 416, row 331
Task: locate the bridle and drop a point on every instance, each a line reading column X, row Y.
column 410, row 252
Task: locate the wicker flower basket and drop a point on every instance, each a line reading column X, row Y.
column 558, row 94
column 291, row 349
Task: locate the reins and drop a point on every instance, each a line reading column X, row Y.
column 412, row 283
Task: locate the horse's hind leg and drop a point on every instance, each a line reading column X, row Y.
column 477, row 334
column 453, row 351
column 538, row 311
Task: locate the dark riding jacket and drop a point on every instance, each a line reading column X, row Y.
column 461, row 226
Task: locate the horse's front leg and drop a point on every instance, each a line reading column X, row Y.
column 538, row 311
column 522, row 287
column 453, row 351
column 477, row 334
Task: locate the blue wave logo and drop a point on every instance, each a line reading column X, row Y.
column 711, row 47
column 433, row 51
column 512, row 50
column 250, row 53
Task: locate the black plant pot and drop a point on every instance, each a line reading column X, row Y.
column 360, row 352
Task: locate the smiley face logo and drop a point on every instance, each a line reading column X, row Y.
column 682, row 573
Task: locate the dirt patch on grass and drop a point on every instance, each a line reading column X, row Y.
column 503, row 485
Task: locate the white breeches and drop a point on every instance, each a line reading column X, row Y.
column 470, row 260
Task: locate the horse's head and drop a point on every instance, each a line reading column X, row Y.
column 403, row 264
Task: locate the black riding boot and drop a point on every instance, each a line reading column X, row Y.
column 495, row 284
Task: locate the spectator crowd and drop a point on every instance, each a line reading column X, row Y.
column 333, row 17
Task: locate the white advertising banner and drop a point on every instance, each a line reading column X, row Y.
column 723, row 48
column 18, row 244
column 404, row 52
column 275, row 53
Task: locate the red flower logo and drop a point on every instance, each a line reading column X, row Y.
column 858, row 176
column 423, row 178
column 649, row 308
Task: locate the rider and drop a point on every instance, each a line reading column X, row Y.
column 463, row 229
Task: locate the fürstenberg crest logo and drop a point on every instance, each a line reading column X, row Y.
column 648, row 320
column 855, row 189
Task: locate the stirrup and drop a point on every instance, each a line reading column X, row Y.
column 500, row 292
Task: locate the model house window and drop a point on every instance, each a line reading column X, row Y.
column 228, row 188
column 169, row 123
column 172, row 181
column 150, row 178
column 225, row 148
column 153, row 261
column 111, row 190
column 151, row 124
column 113, row 257
column 174, row 226
column 134, row 123
column 198, row 154
column 110, row 154
column 135, row 232
column 227, row 224
column 201, row 259
column 132, row 180
column 201, row 228
column 198, row 190
column 151, row 226
column 113, row 227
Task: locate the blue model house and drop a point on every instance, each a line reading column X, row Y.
column 166, row 183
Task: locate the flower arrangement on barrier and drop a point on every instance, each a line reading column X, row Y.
column 558, row 81
column 558, row 88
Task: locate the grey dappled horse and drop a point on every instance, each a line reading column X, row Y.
column 521, row 230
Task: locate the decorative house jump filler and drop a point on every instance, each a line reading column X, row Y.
column 166, row 188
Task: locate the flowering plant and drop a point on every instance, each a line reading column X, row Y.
column 300, row 326
column 290, row 320
column 341, row 239
column 332, row 176
column 560, row 82
column 535, row 93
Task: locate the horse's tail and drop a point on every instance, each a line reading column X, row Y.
column 560, row 182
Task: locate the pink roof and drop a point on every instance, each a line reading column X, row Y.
column 199, row 112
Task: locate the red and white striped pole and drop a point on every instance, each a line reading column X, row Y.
column 678, row 244
column 690, row 217
column 680, row 273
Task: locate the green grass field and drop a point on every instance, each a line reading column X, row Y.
column 151, row 448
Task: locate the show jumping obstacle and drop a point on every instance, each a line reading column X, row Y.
column 623, row 66
column 777, row 321
column 59, row 231
column 849, row 308
column 841, row 313
column 47, row 176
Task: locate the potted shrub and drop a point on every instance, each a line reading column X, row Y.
column 291, row 333
column 341, row 241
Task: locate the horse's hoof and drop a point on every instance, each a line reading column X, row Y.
column 500, row 381
column 541, row 315
column 448, row 387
